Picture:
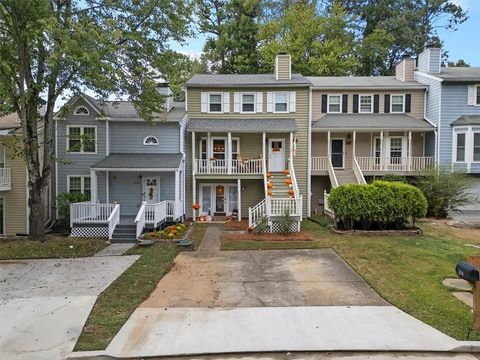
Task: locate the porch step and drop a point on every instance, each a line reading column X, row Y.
column 124, row 233
column 345, row 177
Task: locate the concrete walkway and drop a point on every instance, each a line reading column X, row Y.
column 115, row 249
column 212, row 240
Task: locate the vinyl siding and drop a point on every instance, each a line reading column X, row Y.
column 433, row 97
column 283, row 67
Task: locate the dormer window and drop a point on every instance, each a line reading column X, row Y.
column 150, row 140
column 81, row 110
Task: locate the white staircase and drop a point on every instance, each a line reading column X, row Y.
column 346, row 177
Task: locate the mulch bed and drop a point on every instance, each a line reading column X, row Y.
column 236, row 225
column 297, row 236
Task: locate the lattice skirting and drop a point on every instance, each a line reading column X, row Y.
column 89, row 231
column 275, row 227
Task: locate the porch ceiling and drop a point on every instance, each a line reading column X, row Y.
column 371, row 122
column 140, row 161
column 243, row 125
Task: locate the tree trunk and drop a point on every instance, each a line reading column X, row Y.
column 36, row 203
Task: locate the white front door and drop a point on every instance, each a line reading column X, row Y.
column 151, row 189
column 276, row 155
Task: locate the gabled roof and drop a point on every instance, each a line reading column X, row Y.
column 371, row 122
column 139, row 161
column 459, row 74
column 467, row 120
column 244, row 80
column 362, row 83
column 243, row 125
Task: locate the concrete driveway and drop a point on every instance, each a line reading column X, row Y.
column 45, row 303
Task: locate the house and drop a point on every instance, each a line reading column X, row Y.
column 14, row 211
column 248, row 142
column 453, row 105
column 133, row 170
column 364, row 127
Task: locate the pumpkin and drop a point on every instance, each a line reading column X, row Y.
column 291, row 192
column 173, row 231
column 288, row 181
column 270, row 193
column 286, row 172
column 196, row 206
column 269, row 185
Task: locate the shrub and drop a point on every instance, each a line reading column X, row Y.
column 394, row 178
column 64, row 200
column 285, row 223
column 446, row 190
column 382, row 203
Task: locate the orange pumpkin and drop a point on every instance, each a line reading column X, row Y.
column 173, row 231
column 291, row 192
column 286, row 172
column 269, row 175
column 270, row 193
column 288, row 181
column 196, row 206
column 269, row 185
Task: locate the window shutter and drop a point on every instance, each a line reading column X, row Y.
column 226, row 102
column 344, row 103
column 292, row 98
column 386, row 107
column 376, row 103
column 236, row 102
column 408, row 103
column 269, row 101
column 355, row 103
column 324, row 103
column 203, row 100
column 259, row 102
column 471, row 94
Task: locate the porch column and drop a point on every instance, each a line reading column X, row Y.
column 107, row 185
column 194, row 197
column 209, row 152
column 177, row 194
column 409, row 150
column 329, row 146
column 381, row 150
column 264, row 140
column 291, row 147
column 229, row 153
column 194, row 161
column 194, row 171
column 93, row 186
column 354, row 144
column 239, row 200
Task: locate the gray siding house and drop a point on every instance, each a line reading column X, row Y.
column 453, row 105
column 132, row 170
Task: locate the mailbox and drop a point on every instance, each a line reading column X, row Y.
column 467, row 271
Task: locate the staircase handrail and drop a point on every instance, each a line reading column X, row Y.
column 331, row 173
column 358, row 172
column 140, row 219
column 291, row 171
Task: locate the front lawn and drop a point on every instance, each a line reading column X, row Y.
column 55, row 247
column 405, row 270
column 115, row 305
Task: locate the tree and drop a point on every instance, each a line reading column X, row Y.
column 51, row 46
column 319, row 44
column 458, row 63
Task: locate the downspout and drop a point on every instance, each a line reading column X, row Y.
column 309, row 155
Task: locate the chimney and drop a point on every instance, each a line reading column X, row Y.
column 164, row 89
column 283, row 67
column 404, row 70
column 430, row 60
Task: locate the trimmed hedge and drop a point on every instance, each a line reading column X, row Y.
column 379, row 205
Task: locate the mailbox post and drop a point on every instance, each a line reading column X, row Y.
column 468, row 271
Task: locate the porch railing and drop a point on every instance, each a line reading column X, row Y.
column 292, row 206
column 331, row 173
column 358, row 172
column 258, row 213
column 113, row 220
column 155, row 213
column 393, row 164
column 319, row 163
column 236, row 166
column 140, row 219
column 90, row 213
column 293, row 177
column 175, row 209
column 326, row 206
column 5, row 179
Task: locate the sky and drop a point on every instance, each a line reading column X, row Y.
column 460, row 44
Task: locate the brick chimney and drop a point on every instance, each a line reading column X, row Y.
column 404, row 70
column 283, row 67
column 164, row 89
column 430, row 60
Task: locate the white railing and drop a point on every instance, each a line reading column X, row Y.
column 319, row 163
column 358, row 172
column 175, row 209
column 280, row 207
column 140, row 219
column 113, row 220
column 86, row 212
column 326, row 207
column 237, row 166
column 155, row 213
column 5, row 179
column 265, row 179
column 258, row 213
column 291, row 170
column 331, row 173
column 395, row 163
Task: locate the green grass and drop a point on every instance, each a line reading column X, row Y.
column 115, row 305
column 405, row 270
column 55, row 247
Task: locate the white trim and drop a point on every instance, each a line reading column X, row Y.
column 239, row 198
column 79, row 107
column 475, row 94
column 309, row 155
column 254, row 94
column 136, row 169
column 82, row 182
column 403, row 104
column 360, row 103
column 275, row 102
column 3, row 217
column 221, row 102
column 429, row 76
column 82, row 127
column 156, row 143
column 328, row 104
column 56, row 170
column 213, row 197
column 107, row 137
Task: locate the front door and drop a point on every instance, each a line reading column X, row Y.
column 276, row 155
column 220, row 199
column 151, row 189
column 337, row 153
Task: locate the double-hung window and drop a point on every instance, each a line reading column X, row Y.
column 476, row 146
column 79, row 184
column 248, row 103
column 215, row 102
column 334, row 103
column 82, row 139
column 460, row 147
column 397, row 104
column 366, row 104
column 281, row 102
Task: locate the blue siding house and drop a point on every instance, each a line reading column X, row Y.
column 453, row 105
column 132, row 170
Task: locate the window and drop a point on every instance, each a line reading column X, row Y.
column 150, row 140
column 248, row 103
column 81, row 110
column 334, row 103
column 397, row 104
column 215, row 102
column 281, row 102
column 81, row 139
column 203, row 149
column 2, row 156
column 366, row 104
column 218, row 149
column 476, row 146
column 460, row 147
column 79, row 184
column 396, row 150
column 478, row 95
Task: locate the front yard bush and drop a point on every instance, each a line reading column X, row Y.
column 380, row 205
column 64, row 200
